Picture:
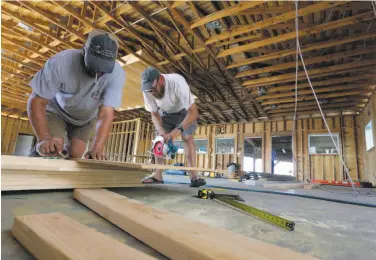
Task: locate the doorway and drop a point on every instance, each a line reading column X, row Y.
column 281, row 158
column 252, row 159
column 24, row 144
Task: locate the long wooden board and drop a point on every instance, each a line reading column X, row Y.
column 27, row 173
column 56, row 236
column 175, row 236
column 148, row 166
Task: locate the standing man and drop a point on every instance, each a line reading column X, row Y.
column 174, row 112
column 75, row 93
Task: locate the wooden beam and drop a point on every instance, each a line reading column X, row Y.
column 19, row 54
column 240, row 39
column 56, row 236
column 357, row 99
column 29, row 66
column 308, row 61
column 274, row 20
column 311, row 97
column 315, row 107
column 354, row 110
column 53, row 20
column 310, row 47
column 175, row 236
column 312, row 72
column 20, row 44
column 179, row 56
column 17, row 69
column 333, row 88
column 14, row 80
column 233, row 10
column 38, row 28
column 320, row 83
column 302, row 33
column 29, row 37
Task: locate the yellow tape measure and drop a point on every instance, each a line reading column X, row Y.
column 263, row 215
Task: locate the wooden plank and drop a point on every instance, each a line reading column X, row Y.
column 284, row 185
column 56, row 236
column 175, row 236
column 28, row 173
column 7, row 135
column 13, row 137
column 127, row 129
column 225, row 12
column 311, row 186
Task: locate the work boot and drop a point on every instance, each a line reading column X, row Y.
column 197, row 182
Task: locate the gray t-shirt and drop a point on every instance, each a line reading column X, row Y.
column 73, row 94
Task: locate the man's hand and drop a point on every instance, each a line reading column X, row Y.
column 96, row 155
column 172, row 135
column 48, row 147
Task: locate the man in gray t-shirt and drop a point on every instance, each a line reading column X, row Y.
column 75, row 92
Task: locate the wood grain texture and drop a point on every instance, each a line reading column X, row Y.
column 56, row 236
column 28, row 173
column 369, row 162
column 175, row 236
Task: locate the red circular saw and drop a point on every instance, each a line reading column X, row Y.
column 161, row 149
column 158, row 149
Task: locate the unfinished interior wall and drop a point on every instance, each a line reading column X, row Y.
column 10, row 128
column 308, row 166
column 368, row 157
column 129, row 141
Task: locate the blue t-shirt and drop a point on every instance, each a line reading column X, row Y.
column 73, row 94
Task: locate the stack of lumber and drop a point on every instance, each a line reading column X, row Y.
column 30, row 173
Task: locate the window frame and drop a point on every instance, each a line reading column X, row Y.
column 324, row 134
column 371, row 135
column 207, row 145
column 224, row 137
column 195, row 139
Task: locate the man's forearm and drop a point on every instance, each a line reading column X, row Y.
column 102, row 131
column 36, row 110
column 157, row 121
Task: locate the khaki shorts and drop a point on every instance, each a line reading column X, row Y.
column 59, row 128
column 172, row 120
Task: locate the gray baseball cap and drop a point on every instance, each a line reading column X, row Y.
column 101, row 51
column 147, row 78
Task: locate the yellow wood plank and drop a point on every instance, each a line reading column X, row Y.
column 175, row 236
column 56, row 236
column 241, row 6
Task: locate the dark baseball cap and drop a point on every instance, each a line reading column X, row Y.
column 101, row 50
column 147, row 78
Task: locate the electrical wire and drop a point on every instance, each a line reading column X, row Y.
column 296, row 83
column 321, row 112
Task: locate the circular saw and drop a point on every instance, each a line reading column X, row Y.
column 162, row 149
